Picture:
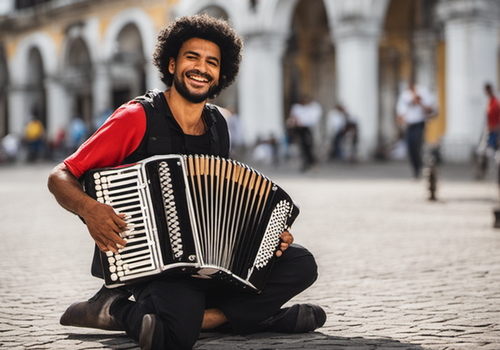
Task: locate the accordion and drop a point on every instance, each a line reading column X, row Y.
column 200, row 215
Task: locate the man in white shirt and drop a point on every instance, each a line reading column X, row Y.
column 304, row 116
column 414, row 107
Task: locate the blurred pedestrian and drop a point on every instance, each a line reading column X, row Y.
column 304, row 116
column 10, row 148
column 78, row 133
column 345, row 136
column 34, row 138
column 266, row 151
column 489, row 139
column 415, row 106
column 493, row 117
column 236, row 132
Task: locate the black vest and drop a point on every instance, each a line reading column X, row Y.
column 164, row 136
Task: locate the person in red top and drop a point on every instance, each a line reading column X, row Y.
column 197, row 56
column 493, row 115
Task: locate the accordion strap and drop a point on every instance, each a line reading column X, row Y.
column 214, row 136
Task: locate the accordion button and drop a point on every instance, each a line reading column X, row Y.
column 114, row 277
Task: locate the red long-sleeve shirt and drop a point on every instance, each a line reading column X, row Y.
column 493, row 113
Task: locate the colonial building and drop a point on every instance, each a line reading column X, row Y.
column 65, row 58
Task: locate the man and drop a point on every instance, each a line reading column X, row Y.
column 344, row 126
column 414, row 107
column 488, row 143
column 197, row 57
column 304, row 116
column 493, row 117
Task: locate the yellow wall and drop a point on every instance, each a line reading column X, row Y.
column 56, row 25
column 436, row 127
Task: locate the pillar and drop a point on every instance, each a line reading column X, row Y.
column 356, row 43
column 471, row 36
column 58, row 108
column 260, row 87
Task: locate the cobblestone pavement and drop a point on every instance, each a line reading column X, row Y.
column 396, row 270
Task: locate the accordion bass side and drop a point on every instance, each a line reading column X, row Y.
column 200, row 215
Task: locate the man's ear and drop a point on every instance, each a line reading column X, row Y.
column 171, row 65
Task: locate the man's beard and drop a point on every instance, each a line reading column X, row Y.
column 182, row 89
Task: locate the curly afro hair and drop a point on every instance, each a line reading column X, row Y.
column 218, row 31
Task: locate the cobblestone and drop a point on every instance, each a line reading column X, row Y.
column 396, row 270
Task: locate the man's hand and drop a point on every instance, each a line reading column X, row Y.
column 105, row 226
column 103, row 223
column 286, row 240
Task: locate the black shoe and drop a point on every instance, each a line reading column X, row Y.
column 151, row 337
column 94, row 313
column 300, row 318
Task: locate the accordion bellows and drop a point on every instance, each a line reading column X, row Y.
column 200, row 215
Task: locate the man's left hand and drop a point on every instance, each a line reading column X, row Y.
column 286, row 240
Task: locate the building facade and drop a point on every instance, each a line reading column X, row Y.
column 65, row 58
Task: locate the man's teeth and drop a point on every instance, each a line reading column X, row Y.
column 197, row 78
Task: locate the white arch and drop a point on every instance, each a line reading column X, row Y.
column 20, row 60
column 235, row 9
column 141, row 20
column 367, row 14
column 276, row 16
column 88, row 31
column 18, row 108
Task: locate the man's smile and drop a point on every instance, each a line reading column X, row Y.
column 199, row 77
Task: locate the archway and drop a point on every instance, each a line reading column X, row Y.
column 78, row 80
column 127, row 66
column 309, row 62
column 36, row 97
column 408, row 51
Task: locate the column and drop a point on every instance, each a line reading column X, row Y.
column 356, row 44
column 424, row 54
column 471, row 36
column 58, row 108
column 260, row 87
column 101, row 90
column 19, row 113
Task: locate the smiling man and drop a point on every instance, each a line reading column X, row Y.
column 197, row 57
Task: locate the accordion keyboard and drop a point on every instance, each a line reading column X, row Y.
column 120, row 189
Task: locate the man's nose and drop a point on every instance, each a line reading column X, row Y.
column 202, row 66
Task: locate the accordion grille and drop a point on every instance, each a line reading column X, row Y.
column 230, row 200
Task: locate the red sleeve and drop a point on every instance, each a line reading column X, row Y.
column 493, row 114
column 112, row 143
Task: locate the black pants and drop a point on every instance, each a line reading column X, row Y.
column 414, row 141
column 180, row 302
column 306, row 144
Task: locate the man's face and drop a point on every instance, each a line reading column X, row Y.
column 196, row 70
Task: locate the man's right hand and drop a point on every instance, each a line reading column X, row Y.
column 105, row 226
column 102, row 222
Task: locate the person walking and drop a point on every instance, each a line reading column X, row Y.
column 415, row 106
column 304, row 116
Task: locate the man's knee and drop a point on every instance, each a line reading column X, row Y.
column 298, row 267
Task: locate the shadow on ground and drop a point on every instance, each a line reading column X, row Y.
column 258, row 341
